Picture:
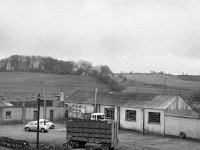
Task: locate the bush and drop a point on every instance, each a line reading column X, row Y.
column 114, row 85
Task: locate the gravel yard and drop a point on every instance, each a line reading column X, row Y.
column 128, row 140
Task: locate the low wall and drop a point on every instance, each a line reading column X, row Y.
column 174, row 125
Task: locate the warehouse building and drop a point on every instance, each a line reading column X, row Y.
column 142, row 112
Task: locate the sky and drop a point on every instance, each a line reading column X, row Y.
column 126, row 35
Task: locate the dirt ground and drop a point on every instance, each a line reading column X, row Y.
column 128, row 140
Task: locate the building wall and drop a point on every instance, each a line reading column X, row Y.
column 131, row 125
column 79, row 110
column 167, row 122
column 178, row 104
column 174, row 125
column 116, row 116
column 58, row 113
column 183, row 112
column 16, row 115
column 154, row 127
column 1, row 115
column 180, row 108
column 182, row 104
column 29, row 113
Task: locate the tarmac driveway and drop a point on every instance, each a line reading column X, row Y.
column 128, row 140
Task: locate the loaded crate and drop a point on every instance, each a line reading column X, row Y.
column 81, row 131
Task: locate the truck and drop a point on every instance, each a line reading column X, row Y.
column 98, row 116
column 82, row 131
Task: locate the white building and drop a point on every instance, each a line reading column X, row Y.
column 144, row 112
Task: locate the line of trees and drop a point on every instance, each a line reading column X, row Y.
column 50, row 65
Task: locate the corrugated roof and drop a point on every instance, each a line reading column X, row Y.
column 146, row 100
column 155, row 102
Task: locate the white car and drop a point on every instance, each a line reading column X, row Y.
column 47, row 123
column 32, row 126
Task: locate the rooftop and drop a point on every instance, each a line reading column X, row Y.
column 4, row 103
column 144, row 100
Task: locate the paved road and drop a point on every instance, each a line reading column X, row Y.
column 128, row 140
column 138, row 141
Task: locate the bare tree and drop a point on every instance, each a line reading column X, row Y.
column 84, row 67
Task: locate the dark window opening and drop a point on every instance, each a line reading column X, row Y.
column 154, row 117
column 109, row 113
column 8, row 114
column 130, row 115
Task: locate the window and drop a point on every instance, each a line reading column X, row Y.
column 100, row 117
column 8, row 114
column 154, row 117
column 109, row 113
column 130, row 115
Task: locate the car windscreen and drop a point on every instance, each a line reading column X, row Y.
column 100, row 117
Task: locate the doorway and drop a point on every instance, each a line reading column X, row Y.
column 35, row 115
column 51, row 115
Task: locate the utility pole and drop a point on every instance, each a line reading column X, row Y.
column 95, row 98
column 38, row 116
column 43, row 92
column 45, row 107
column 165, row 80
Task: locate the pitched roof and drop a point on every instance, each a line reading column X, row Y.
column 4, row 103
column 156, row 102
column 192, row 99
column 146, row 100
column 26, row 103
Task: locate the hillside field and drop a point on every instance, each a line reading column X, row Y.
column 158, row 83
column 24, row 85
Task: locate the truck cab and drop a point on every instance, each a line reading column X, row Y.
column 98, row 116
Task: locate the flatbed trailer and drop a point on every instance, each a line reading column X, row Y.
column 81, row 131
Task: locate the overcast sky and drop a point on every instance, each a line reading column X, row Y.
column 127, row 35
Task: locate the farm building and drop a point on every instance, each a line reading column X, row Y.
column 3, row 105
column 24, row 111
column 142, row 112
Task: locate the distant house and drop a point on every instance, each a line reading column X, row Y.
column 143, row 112
column 22, row 111
column 4, row 114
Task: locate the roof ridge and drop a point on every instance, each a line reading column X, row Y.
column 122, row 92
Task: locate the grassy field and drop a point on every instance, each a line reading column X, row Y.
column 23, row 85
column 26, row 86
column 155, row 83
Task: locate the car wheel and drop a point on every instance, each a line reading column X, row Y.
column 19, row 147
column 105, row 146
column 42, row 130
column 27, row 129
column 52, row 127
column 70, row 144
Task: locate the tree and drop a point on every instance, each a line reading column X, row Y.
column 3, row 64
column 105, row 70
column 84, row 67
column 14, row 62
column 114, row 85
